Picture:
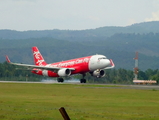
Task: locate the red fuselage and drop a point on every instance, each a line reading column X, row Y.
column 81, row 65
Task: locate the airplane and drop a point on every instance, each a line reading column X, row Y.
column 94, row 65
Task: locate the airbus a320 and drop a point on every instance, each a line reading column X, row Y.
column 94, row 65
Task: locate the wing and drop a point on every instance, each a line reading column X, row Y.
column 35, row 66
column 112, row 65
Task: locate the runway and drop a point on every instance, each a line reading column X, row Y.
column 91, row 85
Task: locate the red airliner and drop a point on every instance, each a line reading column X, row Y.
column 94, row 64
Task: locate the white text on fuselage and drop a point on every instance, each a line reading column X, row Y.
column 70, row 63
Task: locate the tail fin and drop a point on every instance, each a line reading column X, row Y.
column 38, row 58
column 7, row 59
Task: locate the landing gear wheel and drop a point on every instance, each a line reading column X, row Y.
column 60, row 79
column 83, row 80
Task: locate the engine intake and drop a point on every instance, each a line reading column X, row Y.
column 64, row 72
column 98, row 73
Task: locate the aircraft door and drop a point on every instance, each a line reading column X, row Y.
column 93, row 63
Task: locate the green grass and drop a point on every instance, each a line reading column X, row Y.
column 33, row 101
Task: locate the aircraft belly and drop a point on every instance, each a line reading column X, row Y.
column 80, row 69
column 52, row 74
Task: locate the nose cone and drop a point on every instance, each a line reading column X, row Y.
column 105, row 63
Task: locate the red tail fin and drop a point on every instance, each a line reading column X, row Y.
column 38, row 58
column 7, row 58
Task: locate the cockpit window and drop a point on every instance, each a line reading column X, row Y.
column 101, row 58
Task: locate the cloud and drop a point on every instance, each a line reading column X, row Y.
column 131, row 21
column 155, row 17
column 74, row 14
column 94, row 18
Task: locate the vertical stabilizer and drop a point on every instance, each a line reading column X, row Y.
column 38, row 58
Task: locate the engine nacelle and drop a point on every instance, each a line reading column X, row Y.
column 98, row 73
column 64, row 72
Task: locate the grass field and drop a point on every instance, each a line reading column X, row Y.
column 35, row 101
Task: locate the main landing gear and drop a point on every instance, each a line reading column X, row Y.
column 83, row 80
column 60, row 79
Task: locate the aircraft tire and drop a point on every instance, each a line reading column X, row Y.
column 60, row 79
column 82, row 80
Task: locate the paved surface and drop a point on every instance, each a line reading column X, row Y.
column 116, row 86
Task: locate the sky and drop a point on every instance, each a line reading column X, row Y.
column 24, row 15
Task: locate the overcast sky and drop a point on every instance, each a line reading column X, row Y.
column 25, row 15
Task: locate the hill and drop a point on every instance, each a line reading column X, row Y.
column 141, row 28
column 118, row 43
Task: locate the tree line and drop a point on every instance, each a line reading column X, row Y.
column 10, row 72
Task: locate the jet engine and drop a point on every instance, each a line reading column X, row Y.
column 64, row 72
column 98, row 73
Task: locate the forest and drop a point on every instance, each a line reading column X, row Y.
column 119, row 47
column 10, row 72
